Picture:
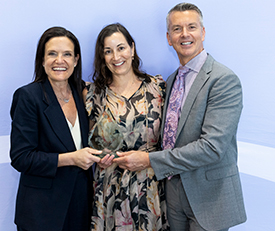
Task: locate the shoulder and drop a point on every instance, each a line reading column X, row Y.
column 218, row 71
column 26, row 97
column 34, row 86
column 157, row 86
column 216, row 67
column 90, row 89
column 89, row 86
column 221, row 78
column 158, row 81
column 94, row 101
column 31, row 90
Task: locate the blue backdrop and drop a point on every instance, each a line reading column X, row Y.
column 239, row 34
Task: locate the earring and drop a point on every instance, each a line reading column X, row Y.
column 133, row 57
column 74, row 65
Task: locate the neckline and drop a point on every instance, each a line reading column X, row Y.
column 121, row 96
column 76, row 121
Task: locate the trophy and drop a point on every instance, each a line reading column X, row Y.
column 106, row 135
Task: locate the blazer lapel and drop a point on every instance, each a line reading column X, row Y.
column 83, row 118
column 200, row 80
column 56, row 117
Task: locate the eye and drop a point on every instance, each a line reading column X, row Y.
column 177, row 29
column 106, row 52
column 121, row 48
column 68, row 54
column 51, row 53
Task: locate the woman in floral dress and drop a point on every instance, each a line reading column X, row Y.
column 125, row 111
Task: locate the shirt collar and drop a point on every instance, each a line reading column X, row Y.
column 196, row 63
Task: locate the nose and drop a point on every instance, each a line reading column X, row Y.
column 59, row 58
column 184, row 32
column 115, row 55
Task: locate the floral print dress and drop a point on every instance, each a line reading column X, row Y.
column 126, row 200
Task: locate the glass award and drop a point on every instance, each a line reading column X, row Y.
column 106, row 135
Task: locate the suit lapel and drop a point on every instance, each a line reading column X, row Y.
column 83, row 118
column 56, row 117
column 198, row 83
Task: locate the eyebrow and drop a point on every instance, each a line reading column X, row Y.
column 118, row 45
column 177, row 25
column 71, row 51
column 193, row 23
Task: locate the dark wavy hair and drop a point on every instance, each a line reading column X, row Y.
column 39, row 73
column 102, row 76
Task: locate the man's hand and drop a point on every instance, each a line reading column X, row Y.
column 133, row 160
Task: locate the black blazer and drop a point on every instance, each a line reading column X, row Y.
column 39, row 133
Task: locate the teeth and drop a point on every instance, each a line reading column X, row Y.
column 118, row 64
column 186, row 43
column 59, row 69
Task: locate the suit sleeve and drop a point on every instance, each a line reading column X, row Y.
column 24, row 153
column 209, row 131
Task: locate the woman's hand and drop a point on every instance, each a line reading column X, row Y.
column 83, row 158
column 106, row 161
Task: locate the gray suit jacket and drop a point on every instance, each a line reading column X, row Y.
column 205, row 152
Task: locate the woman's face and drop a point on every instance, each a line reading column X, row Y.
column 59, row 59
column 118, row 54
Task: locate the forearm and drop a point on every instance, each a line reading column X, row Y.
column 66, row 159
column 83, row 158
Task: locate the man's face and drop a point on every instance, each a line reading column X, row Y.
column 185, row 34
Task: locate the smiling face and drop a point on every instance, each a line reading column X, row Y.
column 118, row 54
column 59, row 59
column 185, row 34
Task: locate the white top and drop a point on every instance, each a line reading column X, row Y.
column 75, row 131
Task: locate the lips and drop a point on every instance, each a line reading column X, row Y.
column 59, row 68
column 118, row 64
column 186, row 43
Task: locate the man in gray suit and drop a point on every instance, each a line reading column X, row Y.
column 205, row 190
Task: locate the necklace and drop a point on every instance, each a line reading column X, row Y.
column 66, row 99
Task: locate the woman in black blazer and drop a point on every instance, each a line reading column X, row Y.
column 49, row 140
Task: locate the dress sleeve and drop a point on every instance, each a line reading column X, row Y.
column 90, row 98
column 94, row 102
column 161, row 85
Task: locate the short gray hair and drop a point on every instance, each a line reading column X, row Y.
column 184, row 7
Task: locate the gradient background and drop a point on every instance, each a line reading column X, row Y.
column 239, row 34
